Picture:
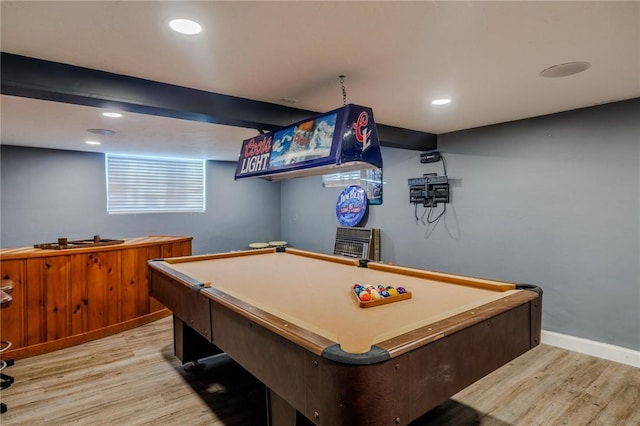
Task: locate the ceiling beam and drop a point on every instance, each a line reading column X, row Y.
column 39, row 79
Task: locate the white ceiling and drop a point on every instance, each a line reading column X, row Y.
column 397, row 56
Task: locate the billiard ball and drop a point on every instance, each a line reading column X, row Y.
column 364, row 296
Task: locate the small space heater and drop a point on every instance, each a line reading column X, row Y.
column 360, row 243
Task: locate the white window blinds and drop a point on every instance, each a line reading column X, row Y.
column 154, row 185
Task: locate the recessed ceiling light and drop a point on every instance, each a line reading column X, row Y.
column 442, row 101
column 92, row 142
column 185, row 26
column 566, row 69
column 112, row 114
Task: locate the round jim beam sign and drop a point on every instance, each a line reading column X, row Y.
column 351, row 205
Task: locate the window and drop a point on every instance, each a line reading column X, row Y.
column 154, row 185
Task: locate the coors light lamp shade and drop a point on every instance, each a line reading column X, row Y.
column 341, row 140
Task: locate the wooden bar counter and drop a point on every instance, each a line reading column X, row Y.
column 66, row 297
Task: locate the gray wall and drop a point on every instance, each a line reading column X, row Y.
column 48, row 194
column 553, row 201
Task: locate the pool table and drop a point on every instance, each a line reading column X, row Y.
column 289, row 317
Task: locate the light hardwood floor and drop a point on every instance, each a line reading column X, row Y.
column 134, row 379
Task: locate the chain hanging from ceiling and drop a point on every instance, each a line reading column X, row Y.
column 344, row 91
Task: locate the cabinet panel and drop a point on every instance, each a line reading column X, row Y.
column 58, row 283
column 79, row 296
column 169, row 250
column 12, row 325
column 102, row 288
column 35, row 317
column 130, row 282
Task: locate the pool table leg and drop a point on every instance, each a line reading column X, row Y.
column 279, row 411
column 189, row 346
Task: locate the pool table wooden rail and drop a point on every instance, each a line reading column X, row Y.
column 432, row 332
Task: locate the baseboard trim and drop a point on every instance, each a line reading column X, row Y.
column 591, row 347
column 66, row 342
